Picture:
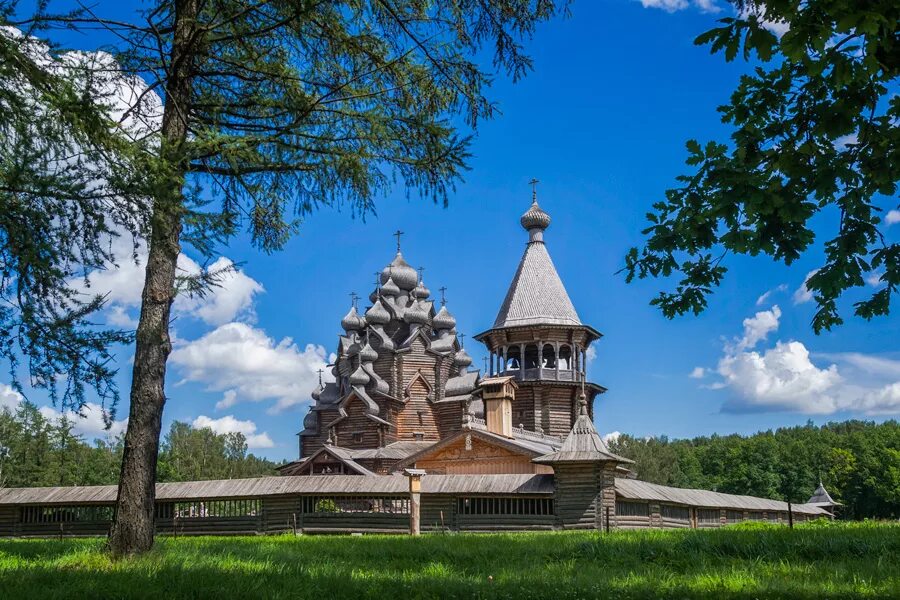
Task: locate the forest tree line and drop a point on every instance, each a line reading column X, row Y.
column 858, row 461
column 39, row 451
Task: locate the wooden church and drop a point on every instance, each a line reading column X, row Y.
column 404, row 396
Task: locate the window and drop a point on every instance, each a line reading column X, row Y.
column 65, row 514
column 678, row 513
column 354, row 504
column 549, row 357
column 565, row 358
column 505, row 506
column 734, row 516
column 513, row 359
column 204, row 509
column 756, row 516
column 708, row 515
column 632, row 509
column 531, row 356
column 418, row 436
column 357, row 437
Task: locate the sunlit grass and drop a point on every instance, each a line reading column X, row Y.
column 847, row 560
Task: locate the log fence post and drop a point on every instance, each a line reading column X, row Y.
column 415, row 493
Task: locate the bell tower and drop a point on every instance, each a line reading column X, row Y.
column 538, row 339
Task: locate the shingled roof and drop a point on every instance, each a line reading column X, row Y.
column 583, row 444
column 822, row 498
column 536, row 295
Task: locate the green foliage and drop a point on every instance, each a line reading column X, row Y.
column 841, row 561
column 36, row 451
column 856, row 460
column 67, row 177
column 189, row 454
column 326, row 505
column 814, row 131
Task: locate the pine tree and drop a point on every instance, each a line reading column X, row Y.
column 276, row 108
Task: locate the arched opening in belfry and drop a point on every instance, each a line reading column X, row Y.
column 513, row 359
column 549, row 357
column 565, row 358
column 531, row 356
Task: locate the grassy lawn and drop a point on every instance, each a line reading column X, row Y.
column 815, row 562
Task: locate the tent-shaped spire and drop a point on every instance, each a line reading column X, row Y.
column 583, row 444
column 536, row 295
column 822, row 498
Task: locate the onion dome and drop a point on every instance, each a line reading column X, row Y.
column 404, row 276
column 352, row 321
column 389, row 288
column 378, row 314
column 421, row 291
column 535, row 218
column 368, row 354
column 416, row 314
column 359, row 377
column 374, row 295
column 462, row 358
column 443, row 319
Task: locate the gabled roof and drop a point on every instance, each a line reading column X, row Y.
column 583, row 444
column 536, row 295
column 342, row 455
column 821, row 497
column 634, row 489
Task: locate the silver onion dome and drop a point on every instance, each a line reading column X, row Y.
column 352, row 321
column 416, row 314
column 378, row 314
column 535, row 218
column 404, row 276
column 389, row 288
column 359, row 377
column 462, row 358
column 443, row 319
column 367, row 354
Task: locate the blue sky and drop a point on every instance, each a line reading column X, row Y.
column 601, row 122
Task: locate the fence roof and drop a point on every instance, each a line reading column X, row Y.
column 283, row 485
column 634, row 489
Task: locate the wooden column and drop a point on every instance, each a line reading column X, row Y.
column 415, row 493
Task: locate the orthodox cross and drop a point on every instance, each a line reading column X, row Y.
column 353, row 299
column 377, row 280
column 397, row 234
column 462, row 338
column 533, row 183
column 420, row 270
column 443, row 298
column 320, row 371
column 483, row 359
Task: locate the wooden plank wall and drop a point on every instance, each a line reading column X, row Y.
column 577, row 495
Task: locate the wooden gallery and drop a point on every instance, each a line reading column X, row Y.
column 408, row 437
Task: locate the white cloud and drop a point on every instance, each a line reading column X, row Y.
column 228, row 424
column 591, row 353
column 9, row 398
column 765, row 297
column 892, row 217
column 779, row 28
column 785, row 378
column 782, row 378
column 874, row 279
column 845, row 140
column 802, row 294
column 231, row 299
column 246, row 364
column 697, row 373
column 88, row 422
column 670, row 6
column 611, row 436
column 758, row 327
column 666, row 5
column 884, row 401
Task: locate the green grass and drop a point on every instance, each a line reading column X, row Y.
column 752, row 561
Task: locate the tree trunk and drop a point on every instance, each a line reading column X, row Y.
column 133, row 527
